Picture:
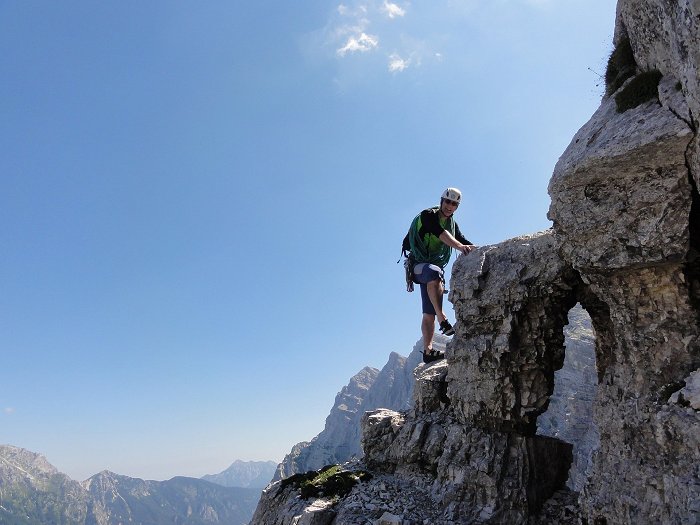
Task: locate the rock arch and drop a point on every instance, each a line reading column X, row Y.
column 512, row 300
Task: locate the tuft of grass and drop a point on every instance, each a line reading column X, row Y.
column 621, row 66
column 330, row 482
column 640, row 89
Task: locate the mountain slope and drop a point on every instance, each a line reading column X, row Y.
column 121, row 499
column 34, row 492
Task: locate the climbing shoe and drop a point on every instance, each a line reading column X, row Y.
column 433, row 355
column 446, row 328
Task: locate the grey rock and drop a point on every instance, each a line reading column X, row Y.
column 281, row 505
column 665, row 36
column 606, row 186
column 690, row 394
column 389, row 519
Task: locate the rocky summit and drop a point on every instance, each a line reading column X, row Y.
column 625, row 245
column 253, row 474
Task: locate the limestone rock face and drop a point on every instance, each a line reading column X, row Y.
column 480, row 476
column 511, row 301
column 665, row 36
column 282, row 505
column 606, row 189
column 625, row 244
column 625, row 207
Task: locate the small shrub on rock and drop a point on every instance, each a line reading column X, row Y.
column 329, row 482
column 640, row 89
column 621, row 66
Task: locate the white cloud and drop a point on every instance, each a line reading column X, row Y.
column 9, row 411
column 392, row 10
column 344, row 10
column 397, row 64
column 359, row 43
column 366, row 27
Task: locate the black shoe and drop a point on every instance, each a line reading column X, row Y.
column 433, row 355
column 446, row 328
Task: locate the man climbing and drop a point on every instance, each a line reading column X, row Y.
column 431, row 237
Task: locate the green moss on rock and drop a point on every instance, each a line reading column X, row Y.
column 640, row 89
column 329, row 482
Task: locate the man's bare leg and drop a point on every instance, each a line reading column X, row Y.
column 428, row 328
column 435, row 292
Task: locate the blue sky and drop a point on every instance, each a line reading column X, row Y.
column 202, row 203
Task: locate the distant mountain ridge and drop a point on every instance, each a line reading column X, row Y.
column 34, row 492
column 248, row 474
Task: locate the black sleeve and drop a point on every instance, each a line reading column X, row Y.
column 458, row 235
column 430, row 223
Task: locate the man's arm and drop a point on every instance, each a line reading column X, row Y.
column 450, row 241
column 461, row 238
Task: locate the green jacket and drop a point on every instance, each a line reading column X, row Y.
column 424, row 237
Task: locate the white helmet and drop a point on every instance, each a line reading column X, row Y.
column 452, row 194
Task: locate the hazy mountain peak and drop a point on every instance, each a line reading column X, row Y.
column 253, row 474
column 24, row 462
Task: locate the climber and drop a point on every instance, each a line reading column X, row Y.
column 430, row 239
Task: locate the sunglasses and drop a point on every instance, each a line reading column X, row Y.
column 451, row 203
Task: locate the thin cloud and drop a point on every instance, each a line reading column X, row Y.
column 379, row 31
column 361, row 43
column 358, row 27
column 397, row 64
column 8, row 410
column 392, row 10
column 359, row 11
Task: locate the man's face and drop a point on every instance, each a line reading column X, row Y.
column 448, row 207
